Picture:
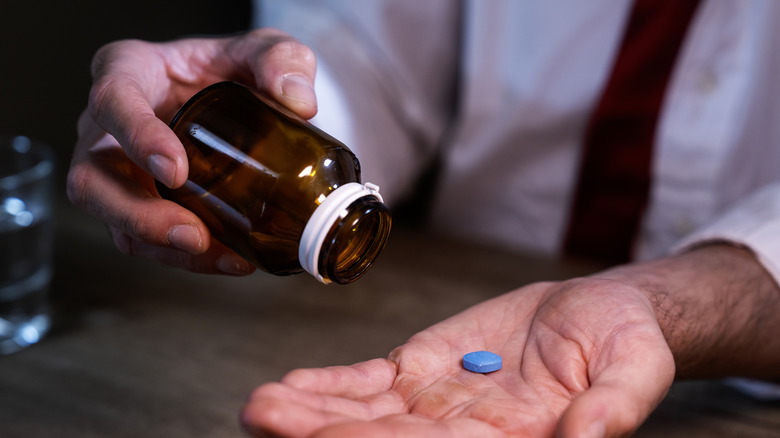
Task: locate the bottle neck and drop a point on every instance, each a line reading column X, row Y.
column 345, row 234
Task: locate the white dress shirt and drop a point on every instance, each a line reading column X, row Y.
column 500, row 92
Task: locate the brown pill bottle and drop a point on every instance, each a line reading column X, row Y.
column 275, row 189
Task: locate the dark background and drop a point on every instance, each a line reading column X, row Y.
column 46, row 48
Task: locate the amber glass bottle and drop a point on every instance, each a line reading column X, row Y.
column 275, row 189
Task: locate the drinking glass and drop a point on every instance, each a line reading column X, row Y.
column 26, row 241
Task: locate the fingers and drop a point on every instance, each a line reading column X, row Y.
column 217, row 260
column 279, row 410
column 286, row 411
column 103, row 182
column 137, row 87
column 308, row 400
column 412, row 426
column 129, row 78
column 136, row 83
column 353, row 381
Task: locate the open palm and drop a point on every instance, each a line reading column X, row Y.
column 584, row 357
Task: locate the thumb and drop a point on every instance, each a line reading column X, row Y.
column 620, row 398
column 601, row 412
column 282, row 66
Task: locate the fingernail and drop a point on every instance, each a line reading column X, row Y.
column 163, row 169
column 298, row 88
column 234, row 265
column 186, row 238
column 597, row 429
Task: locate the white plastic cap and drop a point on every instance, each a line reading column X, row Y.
column 332, row 208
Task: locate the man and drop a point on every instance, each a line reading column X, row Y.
column 505, row 96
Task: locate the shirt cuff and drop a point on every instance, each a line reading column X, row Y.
column 753, row 223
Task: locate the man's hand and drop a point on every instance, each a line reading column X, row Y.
column 124, row 142
column 582, row 358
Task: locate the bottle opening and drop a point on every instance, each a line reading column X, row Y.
column 345, row 234
column 356, row 241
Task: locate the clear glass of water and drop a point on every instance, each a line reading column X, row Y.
column 26, row 241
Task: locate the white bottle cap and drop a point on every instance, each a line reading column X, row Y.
column 332, row 208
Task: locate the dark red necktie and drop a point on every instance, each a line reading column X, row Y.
column 614, row 181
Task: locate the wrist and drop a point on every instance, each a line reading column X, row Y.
column 717, row 307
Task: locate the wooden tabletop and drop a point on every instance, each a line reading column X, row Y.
column 143, row 350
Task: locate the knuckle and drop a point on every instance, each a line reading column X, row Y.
column 77, row 185
column 123, row 243
column 115, row 72
column 135, row 224
column 105, row 58
column 273, row 44
column 289, row 49
column 102, row 59
column 266, row 34
column 267, row 391
column 84, row 125
column 98, row 102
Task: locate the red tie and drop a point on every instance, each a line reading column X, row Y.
column 614, row 181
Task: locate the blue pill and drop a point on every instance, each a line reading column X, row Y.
column 482, row 362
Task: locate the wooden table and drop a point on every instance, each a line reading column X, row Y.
column 142, row 350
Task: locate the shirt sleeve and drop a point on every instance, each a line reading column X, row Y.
column 753, row 223
column 385, row 79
